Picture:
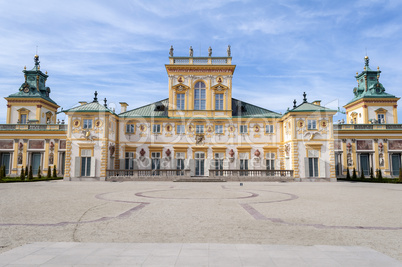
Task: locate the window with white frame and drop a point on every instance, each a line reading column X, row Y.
column 269, row 128
column 156, row 128
column 23, row 119
column 243, row 164
column 86, row 162
column 243, row 129
column 381, row 118
column 219, row 102
column 180, row 101
column 87, row 124
column 129, row 160
column 218, row 129
column 199, row 129
column 180, row 129
column 130, row 128
column 311, row 124
column 199, row 96
column 270, row 160
column 180, row 156
column 313, row 156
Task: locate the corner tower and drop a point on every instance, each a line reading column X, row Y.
column 200, row 86
column 371, row 104
column 32, row 103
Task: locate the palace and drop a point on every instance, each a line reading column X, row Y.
column 200, row 130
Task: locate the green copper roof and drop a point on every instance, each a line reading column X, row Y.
column 158, row 109
column 310, row 107
column 33, row 93
column 242, row 109
column 89, row 107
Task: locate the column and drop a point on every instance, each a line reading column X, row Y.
column 376, row 160
column 25, row 154
column 46, row 156
column 38, row 112
column 14, row 169
column 56, row 154
column 8, row 121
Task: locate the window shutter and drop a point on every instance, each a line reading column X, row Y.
column 77, row 167
column 93, row 167
column 306, row 168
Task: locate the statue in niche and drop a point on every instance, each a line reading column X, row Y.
column 349, row 159
column 19, row 158
column 381, row 160
column 112, row 148
column 51, row 158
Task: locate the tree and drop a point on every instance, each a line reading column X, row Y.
column 354, row 175
column 379, row 175
column 2, row 174
column 22, row 174
column 54, row 171
column 30, row 173
column 39, row 173
column 26, row 170
column 49, row 170
column 371, row 173
column 347, row 174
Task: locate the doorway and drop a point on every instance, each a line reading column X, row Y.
column 395, row 164
column 36, row 160
column 5, row 161
column 365, row 164
column 199, row 163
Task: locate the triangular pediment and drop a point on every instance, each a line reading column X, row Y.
column 219, row 87
column 381, row 110
column 180, row 87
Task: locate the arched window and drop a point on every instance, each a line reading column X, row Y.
column 199, row 96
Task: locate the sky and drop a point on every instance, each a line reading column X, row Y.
column 280, row 48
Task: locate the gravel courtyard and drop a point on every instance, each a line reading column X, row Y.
column 342, row 214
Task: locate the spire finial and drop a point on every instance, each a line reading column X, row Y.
column 366, row 61
column 105, row 100
column 37, row 62
column 294, row 103
column 96, row 97
column 304, row 97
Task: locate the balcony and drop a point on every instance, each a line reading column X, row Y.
column 367, row 126
column 200, row 60
column 33, row 127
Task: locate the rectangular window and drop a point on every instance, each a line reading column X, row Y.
column 180, row 101
column 156, row 162
column 130, row 128
column 180, row 156
column 156, row 128
column 129, row 160
column 381, row 118
column 199, row 129
column 313, row 156
column 87, row 124
column 311, row 124
column 219, row 129
column 243, row 167
column 180, row 129
column 269, row 128
column 270, row 161
column 219, row 102
column 23, row 118
column 243, row 129
column 219, row 163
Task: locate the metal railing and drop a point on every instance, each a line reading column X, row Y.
column 252, row 173
column 367, row 126
column 146, row 173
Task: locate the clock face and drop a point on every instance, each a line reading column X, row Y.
column 378, row 90
column 26, row 89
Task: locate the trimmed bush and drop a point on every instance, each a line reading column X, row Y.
column 49, row 171
column 371, row 173
column 30, row 173
column 26, row 170
column 54, row 171
column 362, row 175
column 400, row 174
column 354, row 175
column 39, row 173
column 347, row 174
column 2, row 173
column 379, row 174
column 22, row 174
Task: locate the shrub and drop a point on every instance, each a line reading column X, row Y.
column 49, row 170
column 2, row 173
column 22, row 174
column 371, row 173
column 30, row 173
column 400, row 174
column 354, row 175
column 39, row 173
column 26, row 170
column 347, row 174
column 379, row 174
column 362, row 175
column 54, row 171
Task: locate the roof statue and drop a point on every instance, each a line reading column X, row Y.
column 209, row 51
column 304, row 97
column 96, row 97
column 191, row 51
column 229, row 52
column 171, row 51
column 366, row 61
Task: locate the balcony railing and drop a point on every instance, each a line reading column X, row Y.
column 367, row 126
column 201, row 60
column 252, row 173
column 33, row 127
column 146, row 173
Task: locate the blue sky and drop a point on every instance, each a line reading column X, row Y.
column 281, row 48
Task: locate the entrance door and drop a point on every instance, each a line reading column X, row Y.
column 365, row 164
column 62, row 162
column 199, row 163
column 156, row 162
column 338, row 164
column 36, row 159
column 396, row 164
column 5, row 161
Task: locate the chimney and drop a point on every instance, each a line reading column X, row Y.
column 123, row 106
